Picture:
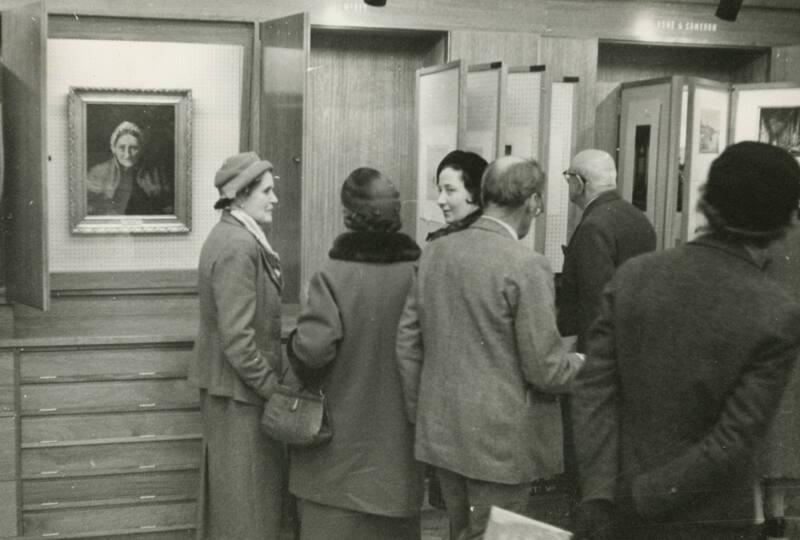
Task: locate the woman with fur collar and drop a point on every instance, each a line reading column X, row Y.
column 365, row 480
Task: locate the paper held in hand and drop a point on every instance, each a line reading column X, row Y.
column 505, row 525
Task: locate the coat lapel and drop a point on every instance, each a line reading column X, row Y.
column 272, row 264
column 273, row 267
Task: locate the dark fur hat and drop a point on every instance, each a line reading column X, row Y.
column 753, row 188
column 373, row 201
column 471, row 166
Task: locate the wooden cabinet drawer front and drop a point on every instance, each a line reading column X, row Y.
column 183, row 484
column 8, row 509
column 145, row 456
column 8, row 451
column 85, row 520
column 59, row 428
column 175, row 534
column 116, row 394
column 6, row 382
column 34, row 365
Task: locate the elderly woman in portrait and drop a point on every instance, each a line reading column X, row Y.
column 238, row 357
column 121, row 185
column 363, row 483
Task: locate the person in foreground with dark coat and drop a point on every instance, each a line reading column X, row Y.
column 481, row 358
column 780, row 457
column 686, row 365
column 364, row 483
column 238, row 358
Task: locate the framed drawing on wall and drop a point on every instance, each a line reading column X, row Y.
column 129, row 161
column 769, row 113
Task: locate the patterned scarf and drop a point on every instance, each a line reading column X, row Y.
column 251, row 225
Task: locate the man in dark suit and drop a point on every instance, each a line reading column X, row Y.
column 610, row 232
column 686, row 365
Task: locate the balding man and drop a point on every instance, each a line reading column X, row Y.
column 611, row 231
column 481, row 358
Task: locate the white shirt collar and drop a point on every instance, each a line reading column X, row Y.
column 508, row 227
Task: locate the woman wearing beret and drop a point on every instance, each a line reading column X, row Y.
column 458, row 178
column 122, row 185
column 364, row 483
column 238, row 357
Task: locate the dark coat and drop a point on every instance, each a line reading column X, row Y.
column 238, row 347
column 686, row 366
column 611, row 231
column 480, row 357
column 781, row 457
column 350, row 324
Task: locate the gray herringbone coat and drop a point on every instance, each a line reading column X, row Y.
column 481, row 358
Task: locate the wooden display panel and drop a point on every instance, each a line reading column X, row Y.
column 440, row 109
column 284, row 49
column 562, row 128
column 486, row 91
column 707, row 136
column 646, row 138
column 24, row 31
column 524, row 124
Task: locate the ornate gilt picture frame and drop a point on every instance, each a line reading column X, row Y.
column 130, row 161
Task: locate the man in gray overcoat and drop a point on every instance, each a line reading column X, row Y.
column 686, row 365
column 481, row 357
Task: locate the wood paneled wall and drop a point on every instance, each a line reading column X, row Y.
column 649, row 22
column 785, row 64
column 360, row 113
column 520, row 15
column 478, row 47
column 634, row 62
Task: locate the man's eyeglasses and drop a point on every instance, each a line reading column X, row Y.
column 569, row 174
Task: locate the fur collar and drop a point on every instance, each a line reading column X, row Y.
column 374, row 247
column 464, row 223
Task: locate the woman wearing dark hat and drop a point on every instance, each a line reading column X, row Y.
column 365, row 482
column 687, row 363
column 238, row 357
column 458, row 178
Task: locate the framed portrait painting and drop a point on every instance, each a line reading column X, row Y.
column 130, row 161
